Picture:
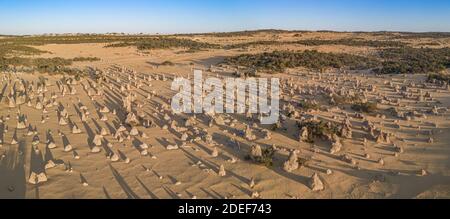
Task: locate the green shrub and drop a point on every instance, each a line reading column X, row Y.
column 353, row 42
column 167, row 63
column 86, row 59
column 432, row 35
column 308, row 105
column 74, row 39
column 267, row 157
column 281, row 60
column 439, row 77
column 344, row 99
column 12, row 49
column 345, row 42
column 319, row 129
column 43, row 65
column 414, row 60
column 367, row 107
column 165, row 43
column 247, row 33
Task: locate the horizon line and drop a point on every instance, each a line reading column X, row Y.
column 218, row 32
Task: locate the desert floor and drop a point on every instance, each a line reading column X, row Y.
column 192, row 171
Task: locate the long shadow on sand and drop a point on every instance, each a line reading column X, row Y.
column 12, row 174
column 126, row 188
column 150, row 193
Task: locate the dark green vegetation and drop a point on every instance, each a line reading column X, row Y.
column 246, row 73
column 392, row 35
column 142, row 42
column 319, row 129
column 255, row 43
column 47, row 64
column 247, row 33
column 12, row 49
column 75, row 39
column 429, row 44
column 353, row 42
column 266, row 159
column 439, row 77
column 42, row 65
column 86, row 59
column 405, row 60
column 281, row 60
column 367, row 107
column 414, row 60
column 432, row 35
column 14, row 52
column 345, row 42
column 167, row 63
column 343, row 99
column 165, row 43
column 308, row 105
column 393, row 56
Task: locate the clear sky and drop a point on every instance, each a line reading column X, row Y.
column 181, row 16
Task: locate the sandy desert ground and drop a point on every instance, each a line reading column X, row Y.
column 182, row 156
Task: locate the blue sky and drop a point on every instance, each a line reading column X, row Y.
column 181, row 16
